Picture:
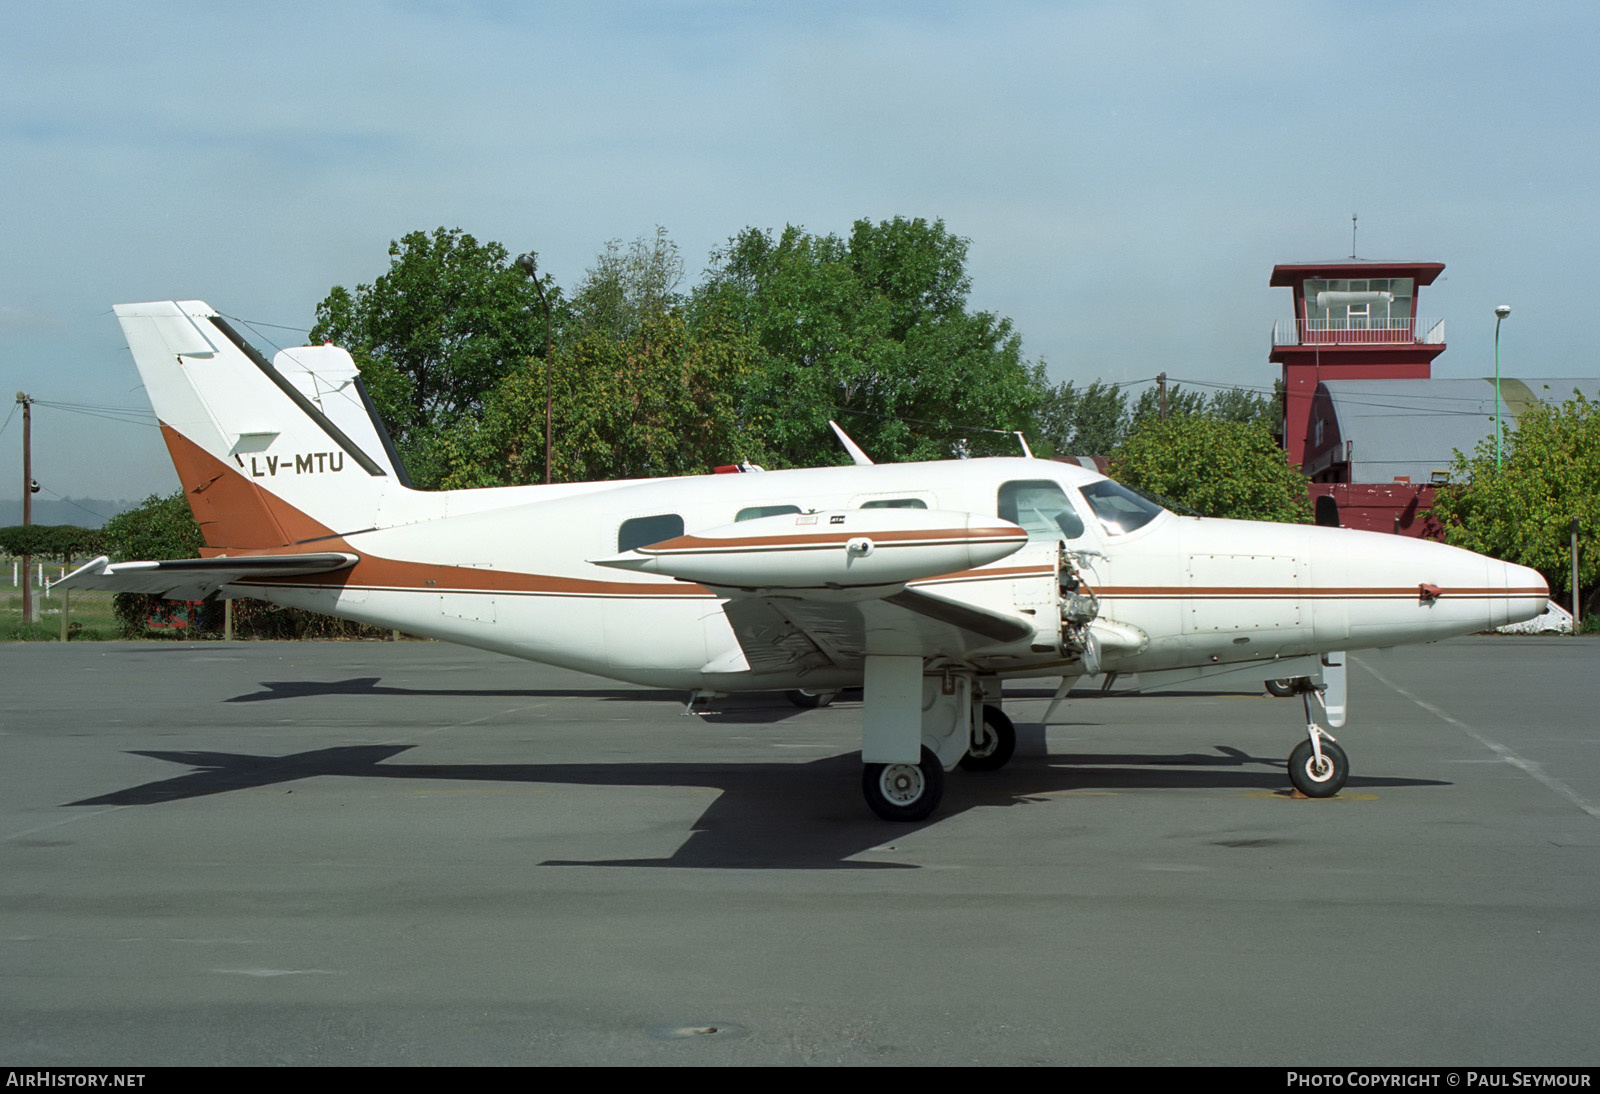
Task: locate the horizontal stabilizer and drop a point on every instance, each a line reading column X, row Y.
column 198, row 578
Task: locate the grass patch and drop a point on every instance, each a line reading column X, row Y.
column 89, row 618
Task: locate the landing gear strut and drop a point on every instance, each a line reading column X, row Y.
column 1317, row 765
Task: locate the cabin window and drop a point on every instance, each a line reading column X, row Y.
column 643, row 531
column 1119, row 509
column 895, row 503
column 756, row 512
column 1041, row 507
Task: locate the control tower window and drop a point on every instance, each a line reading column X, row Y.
column 1375, row 303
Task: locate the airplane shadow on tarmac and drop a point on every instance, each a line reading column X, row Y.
column 750, row 707
column 784, row 816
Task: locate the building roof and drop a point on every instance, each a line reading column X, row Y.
column 1413, row 428
column 1292, row 273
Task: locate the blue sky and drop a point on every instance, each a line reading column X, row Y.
column 1127, row 173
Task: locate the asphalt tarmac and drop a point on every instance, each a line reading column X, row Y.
column 410, row 853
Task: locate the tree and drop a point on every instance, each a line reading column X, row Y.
column 1180, row 403
column 61, row 541
column 873, row 330
column 1522, row 511
column 1237, row 404
column 434, row 334
column 157, row 528
column 624, row 290
column 1219, row 469
column 665, row 402
column 1090, row 422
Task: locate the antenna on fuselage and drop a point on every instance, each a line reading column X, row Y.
column 861, row 458
column 1023, row 441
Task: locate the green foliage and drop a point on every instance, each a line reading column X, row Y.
column 434, row 334
column 1095, row 420
column 61, row 541
column 1236, row 404
column 1090, row 422
column 1180, row 404
column 1217, row 468
column 625, row 290
column 662, row 403
column 156, row 528
column 873, row 331
column 1523, row 511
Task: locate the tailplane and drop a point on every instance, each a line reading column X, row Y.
column 269, row 457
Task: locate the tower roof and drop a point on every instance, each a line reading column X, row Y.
column 1292, row 273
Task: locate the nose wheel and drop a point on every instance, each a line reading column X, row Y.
column 1318, row 776
column 904, row 792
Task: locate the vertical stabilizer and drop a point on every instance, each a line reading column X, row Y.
column 261, row 464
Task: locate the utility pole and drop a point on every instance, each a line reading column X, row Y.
column 526, row 263
column 27, row 498
column 1161, row 383
column 1575, row 596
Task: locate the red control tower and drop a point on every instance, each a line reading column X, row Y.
column 1353, row 320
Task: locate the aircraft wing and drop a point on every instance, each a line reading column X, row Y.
column 785, row 633
column 197, row 578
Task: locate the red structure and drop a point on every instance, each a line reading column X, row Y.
column 1353, row 320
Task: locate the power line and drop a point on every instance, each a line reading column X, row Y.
column 124, row 414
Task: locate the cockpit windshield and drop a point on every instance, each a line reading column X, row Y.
column 1120, row 510
column 1041, row 507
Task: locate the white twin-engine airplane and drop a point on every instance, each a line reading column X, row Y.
column 928, row 584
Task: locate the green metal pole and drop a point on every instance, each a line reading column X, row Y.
column 1497, row 393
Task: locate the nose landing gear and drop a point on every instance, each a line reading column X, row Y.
column 1318, row 767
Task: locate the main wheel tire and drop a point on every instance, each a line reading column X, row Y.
column 811, row 700
column 904, row 792
column 997, row 740
column 1281, row 688
column 1314, row 781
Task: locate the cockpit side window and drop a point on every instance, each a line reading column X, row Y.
column 1041, row 507
column 895, row 503
column 643, row 531
column 1119, row 509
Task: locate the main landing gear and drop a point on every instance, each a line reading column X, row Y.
column 904, row 792
column 919, row 722
column 910, row 792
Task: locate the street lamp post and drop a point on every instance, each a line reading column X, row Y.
column 1499, row 316
column 525, row 263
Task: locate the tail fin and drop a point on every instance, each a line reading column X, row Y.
column 262, row 464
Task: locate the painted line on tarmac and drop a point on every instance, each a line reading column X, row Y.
column 1507, row 755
